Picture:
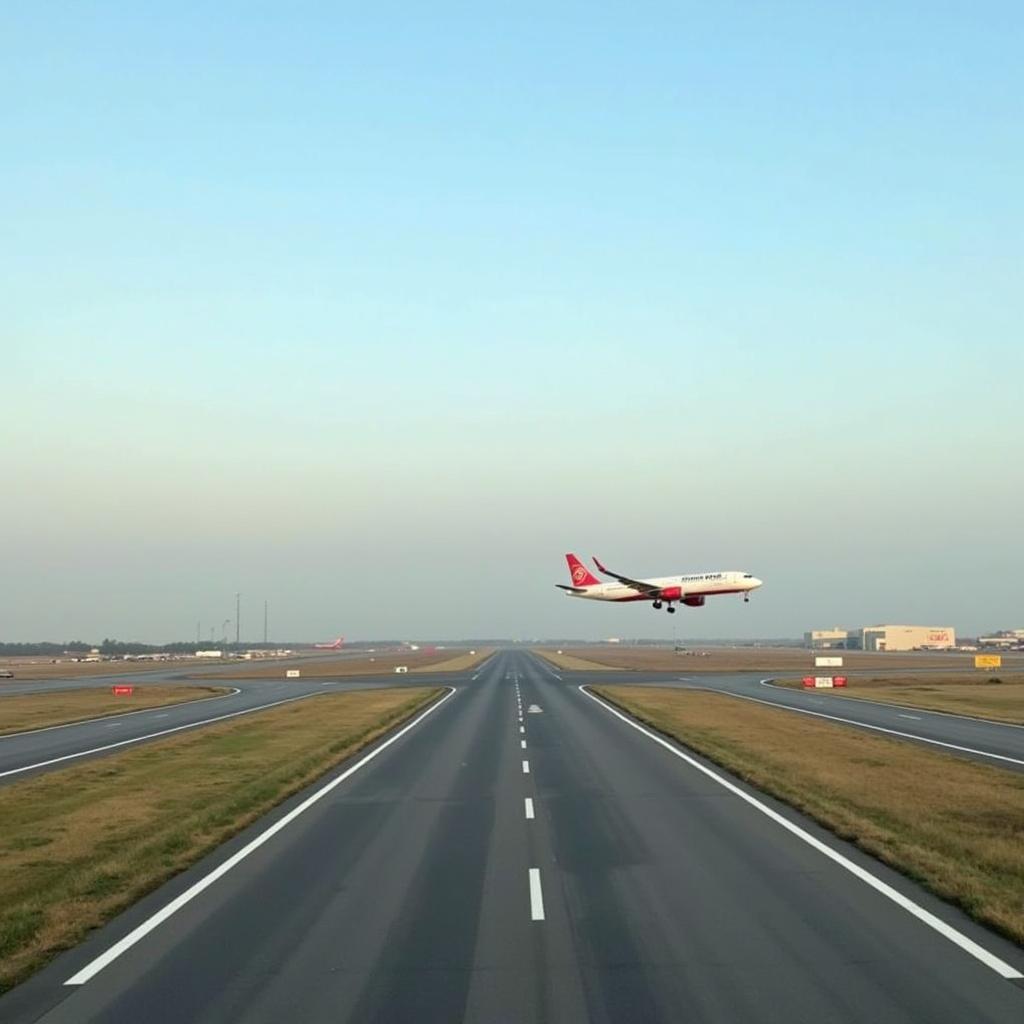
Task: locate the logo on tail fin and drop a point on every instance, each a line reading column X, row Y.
column 580, row 575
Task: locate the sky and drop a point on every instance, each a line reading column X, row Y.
column 374, row 312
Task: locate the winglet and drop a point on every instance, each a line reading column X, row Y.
column 600, row 567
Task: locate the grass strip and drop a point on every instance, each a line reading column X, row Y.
column 570, row 662
column 372, row 664
column 999, row 697
column 19, row 712
column 955, row 826
column 81, row 844
column 459, row 663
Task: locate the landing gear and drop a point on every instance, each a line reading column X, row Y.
column 657, row 604
column 670, row 610
column 746, row 599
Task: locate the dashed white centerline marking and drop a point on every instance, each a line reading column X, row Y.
column 536, row 896
column 526, row 767
column 529, row 807
column 522, row 728
column 522, row 743
column 915, row 718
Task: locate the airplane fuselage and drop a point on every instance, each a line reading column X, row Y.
column 687, row 589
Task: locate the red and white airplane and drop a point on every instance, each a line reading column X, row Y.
column 691, row 589
column 333, row 646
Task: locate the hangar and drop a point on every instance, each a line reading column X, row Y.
column 907, row 638
column 883, row 638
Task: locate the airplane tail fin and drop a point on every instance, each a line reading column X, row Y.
column 580, row 575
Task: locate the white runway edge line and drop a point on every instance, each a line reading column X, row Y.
column 926, row 917
column 864, row 725
column 536, row 896
column 121, row 714
column 528, row 805
column 104, row 959
column 154, row 735
column 771, row 684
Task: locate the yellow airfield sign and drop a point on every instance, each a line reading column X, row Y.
column 988, row 661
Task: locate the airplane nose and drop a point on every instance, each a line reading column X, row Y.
column 757, row 582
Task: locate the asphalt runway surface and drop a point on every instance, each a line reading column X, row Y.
column 33, row 752
column 520, row 853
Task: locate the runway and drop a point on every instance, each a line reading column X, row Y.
column 995, row 743
column 497, row 863
column 33, row 752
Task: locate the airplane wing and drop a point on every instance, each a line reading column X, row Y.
column 644, row 588
column 572, row 590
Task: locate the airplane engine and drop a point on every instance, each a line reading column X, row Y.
column 694, row 602
column 671, row 594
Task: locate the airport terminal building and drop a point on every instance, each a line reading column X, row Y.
column 883, row 638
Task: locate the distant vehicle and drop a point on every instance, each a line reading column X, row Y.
column 6, row 673
column 334, row 645
column 691, row 589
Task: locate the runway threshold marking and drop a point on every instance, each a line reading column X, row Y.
column 105, row 959
column 958, row 938
column 875, row 728
column 529, row 807
column 536, row 896
column 152, row 735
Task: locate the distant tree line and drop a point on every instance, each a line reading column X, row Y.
column 114, row 648
column 22, row 650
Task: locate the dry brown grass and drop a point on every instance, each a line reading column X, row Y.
column 998, row 696
column 745, row 659
column 372, row 664
column 79, row 845
column 570, row 662
column 955, row 826
column 37, row 710
column 460, row 663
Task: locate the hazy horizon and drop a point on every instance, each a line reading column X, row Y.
column 375, row 315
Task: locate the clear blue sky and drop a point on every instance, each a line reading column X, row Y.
column 376, row 312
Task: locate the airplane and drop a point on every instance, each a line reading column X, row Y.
column 691, row 589
column 334, row 646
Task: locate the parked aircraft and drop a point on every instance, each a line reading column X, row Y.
column 333, row 646
column 691, row 589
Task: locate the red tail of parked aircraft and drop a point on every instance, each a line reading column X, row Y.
column 331, row 646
